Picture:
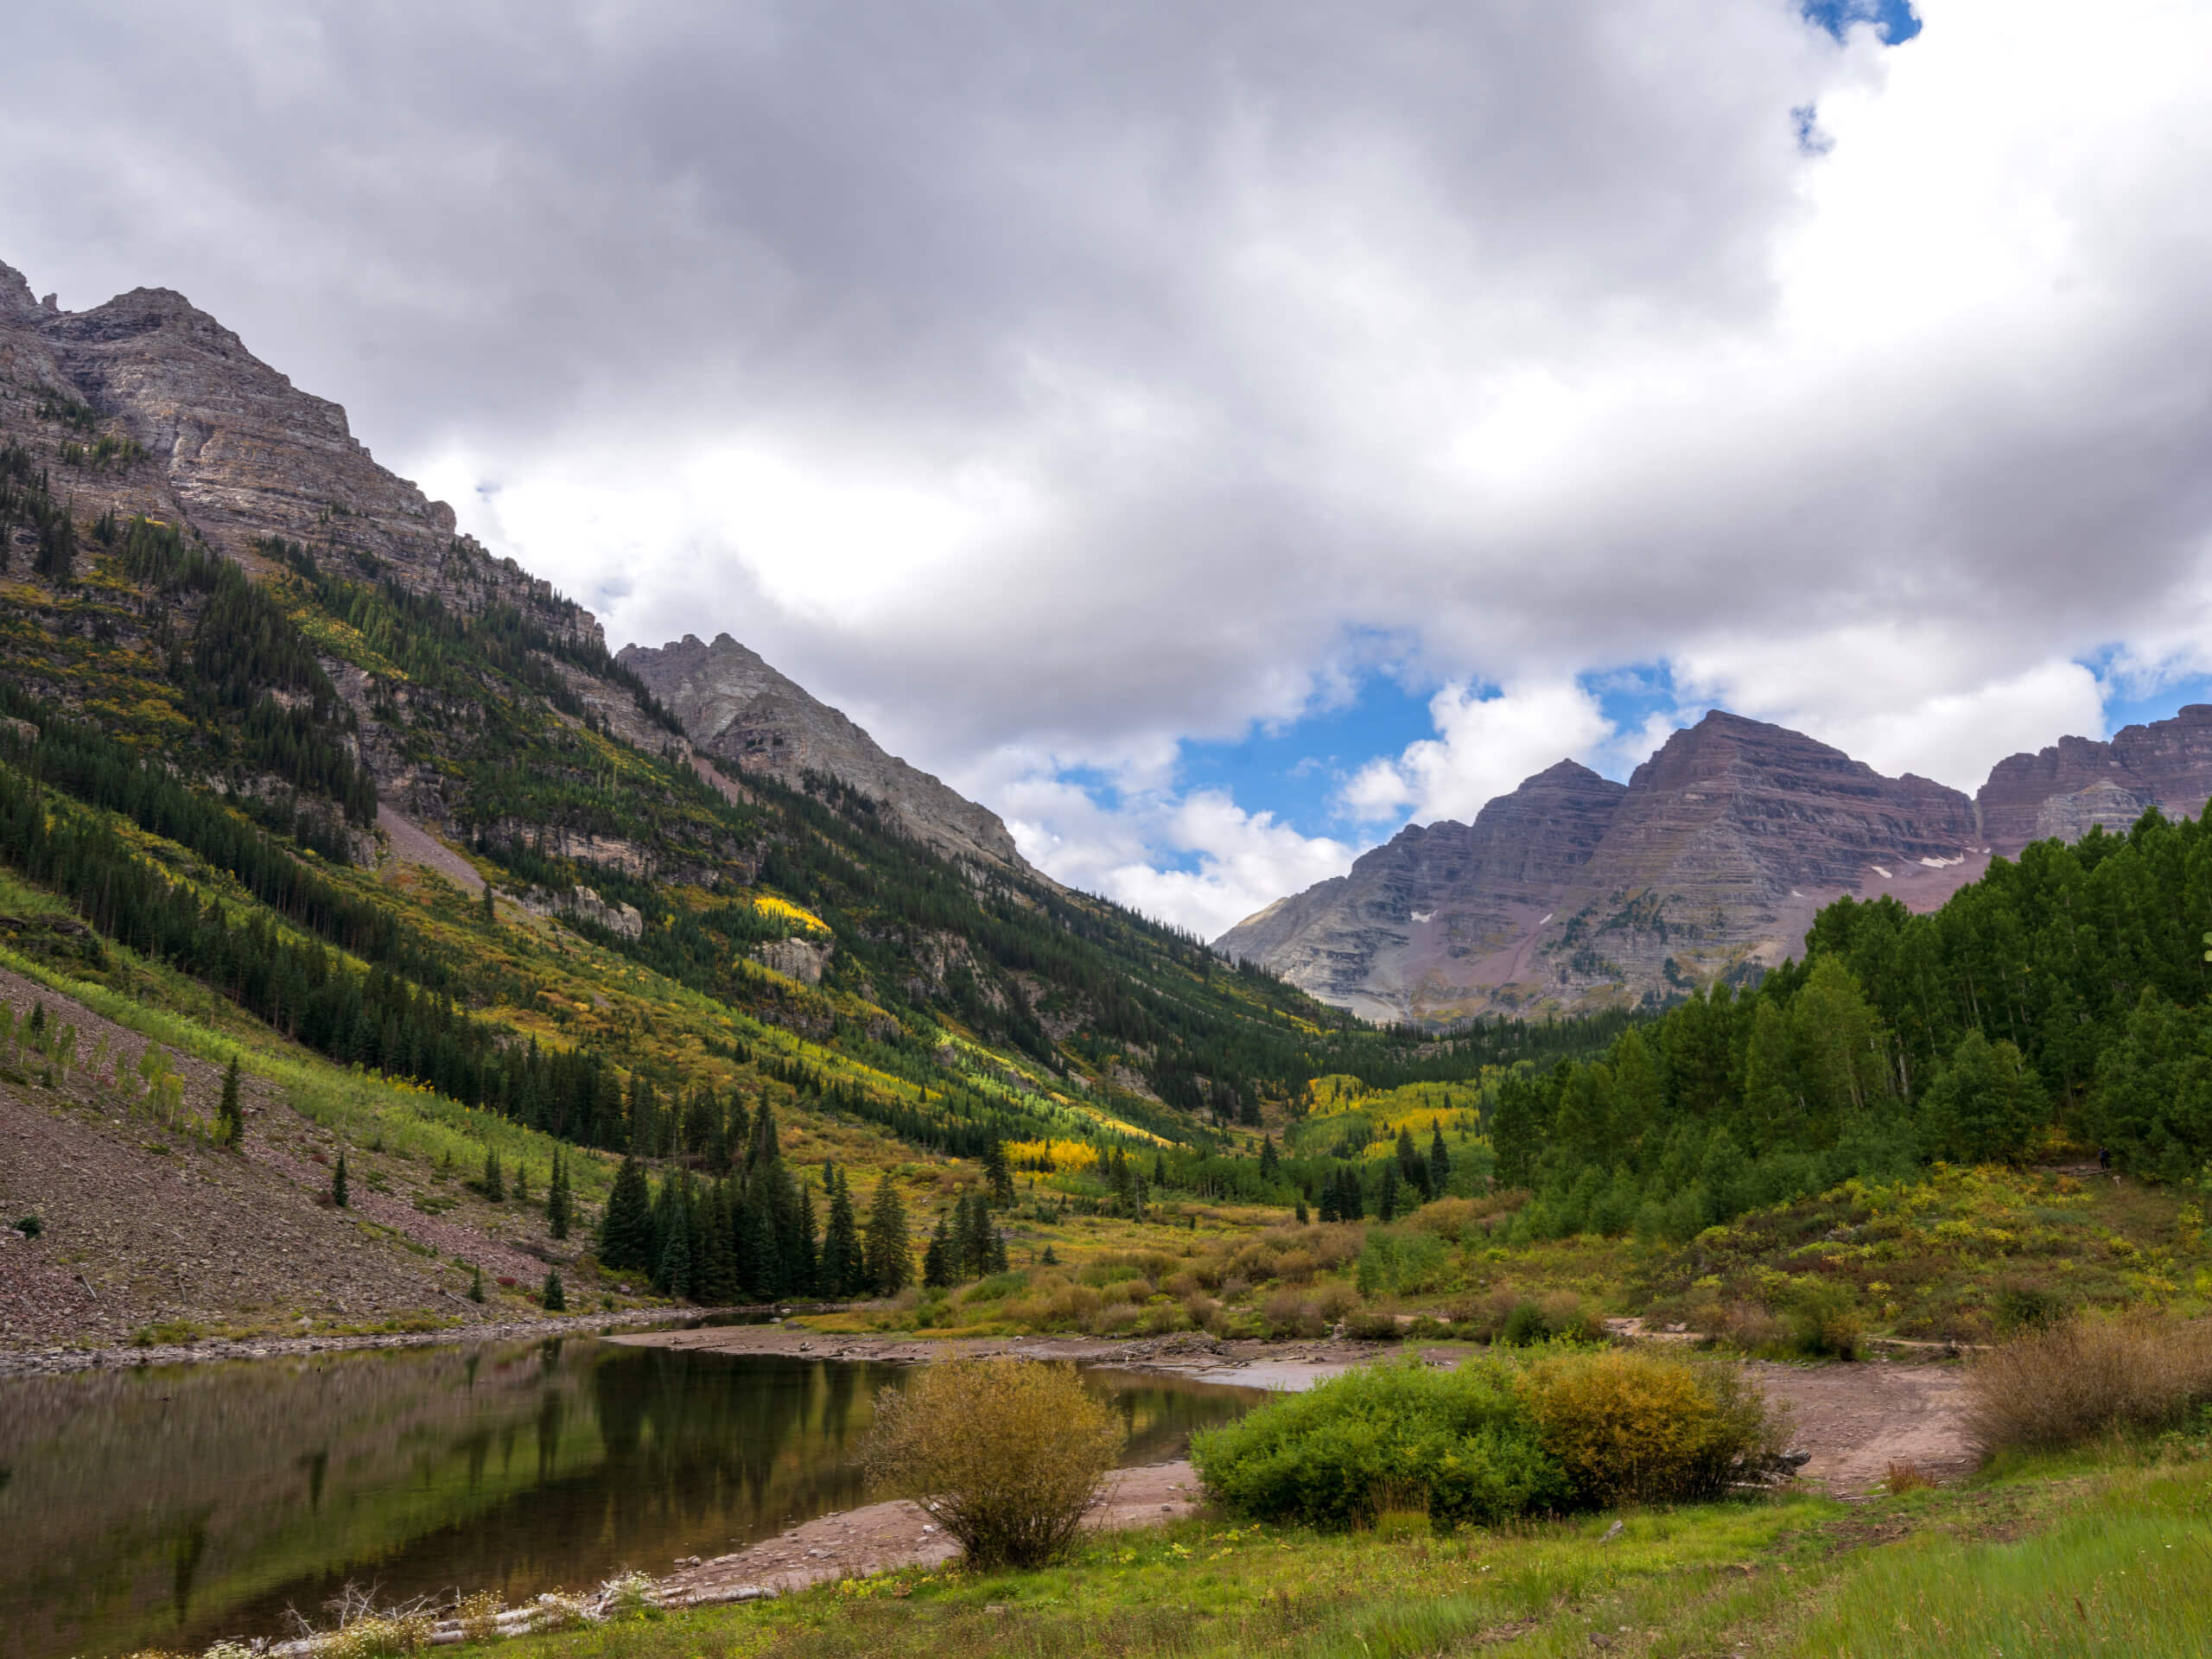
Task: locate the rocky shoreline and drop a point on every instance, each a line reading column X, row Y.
column 57, row 1361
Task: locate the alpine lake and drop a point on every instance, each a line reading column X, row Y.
column 169, row 1506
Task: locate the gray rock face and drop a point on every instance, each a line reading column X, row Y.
column 1394, row 935
column 233, row 447
column 737, row 709
column 800, row 959
column 1574, row 892
column 2078, row 781
column 584, row 905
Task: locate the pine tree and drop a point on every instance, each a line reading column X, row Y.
column 998, row 1176
column 491, row 916
column 937, row 1261
column 338, row 1195
column 556, row 1298
column 522, row 1182
column 476, row 1285
column 1302, row 1216
column 997, row 1262
column 1439, row 1162
column 495, row 1186
column 673, row 1273
column 1270, row 1161
column 228, row 1116
column 890, row 1261
column 1386, row 1205
column 626, row 1230
column 842, row 1269
column 558, row 1204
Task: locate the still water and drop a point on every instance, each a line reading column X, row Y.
column 169, row 1506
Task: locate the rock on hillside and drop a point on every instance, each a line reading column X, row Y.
column 2078, row 782
column 1572, row 890
column 227, row 444
column 736, row 708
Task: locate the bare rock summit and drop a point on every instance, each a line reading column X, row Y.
column 737, row 709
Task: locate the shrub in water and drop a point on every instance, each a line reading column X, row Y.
column 1464, row 1439
column 1011, row 1452
column 1642, row 1428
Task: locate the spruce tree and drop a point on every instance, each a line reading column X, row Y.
column 673, row 1274
column 1270, row 1161
column 494, row 1184
column 889, row 1258
column 522, row 1182
column 1386, row 1205
column 997, row 1261
column 491, row 916
column 998, row 1176
column 556, row 1298
column 1439, row 1162
column 1302, row 1216
column 626, row 1230
column 843, row 1266
column 229, row 1116
column 476, row 1285
column 1159, row 1170
column 937, row 1261
column 338, row 1195
column 558, row 1211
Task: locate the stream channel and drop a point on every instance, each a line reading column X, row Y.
column 168, row 1506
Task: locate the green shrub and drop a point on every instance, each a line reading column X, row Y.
column 1401, row 1263
column 1464, row 1438
column 1646, row 1428
column 1824, row 1320
column 998, row 1286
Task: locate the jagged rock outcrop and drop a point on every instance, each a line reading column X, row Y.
column 582, row 904
column 229, row 446
column 737, row 709
column 1378, row 940
column 1571, row 891
column 800, row 959
column 2077, row 781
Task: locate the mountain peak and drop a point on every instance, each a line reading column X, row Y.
column 736, row 707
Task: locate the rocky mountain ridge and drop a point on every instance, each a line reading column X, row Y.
column 738, row 709
column 1711, row 861
column 163, row 411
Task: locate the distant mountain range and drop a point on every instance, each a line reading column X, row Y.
column 1575, row 892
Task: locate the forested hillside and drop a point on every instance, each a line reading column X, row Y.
column 192, row 763
column 2059, row 998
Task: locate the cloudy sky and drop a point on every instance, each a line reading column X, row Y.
column 1216, row 435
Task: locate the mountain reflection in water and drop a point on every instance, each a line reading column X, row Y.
column 171, row 1506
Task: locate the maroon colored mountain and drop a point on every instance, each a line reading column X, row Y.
column 2078, row 782
column 1436, row 897
column 1573, row 891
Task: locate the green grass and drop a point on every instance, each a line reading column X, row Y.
column 1996, row 1567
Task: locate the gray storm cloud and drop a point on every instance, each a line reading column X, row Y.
column 1050, row 384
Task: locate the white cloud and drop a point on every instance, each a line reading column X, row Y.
column 1243, row 860
column 1486, row 743
column 1050, row 387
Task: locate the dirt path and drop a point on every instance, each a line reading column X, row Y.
column 1858, row 1420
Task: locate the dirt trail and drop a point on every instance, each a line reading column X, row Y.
column 1858, row 1420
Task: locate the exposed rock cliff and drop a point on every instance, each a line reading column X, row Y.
column 2078, row 782
column 737, row 709
column 1572, row 890
column 1387, row 938
column 203, row 432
